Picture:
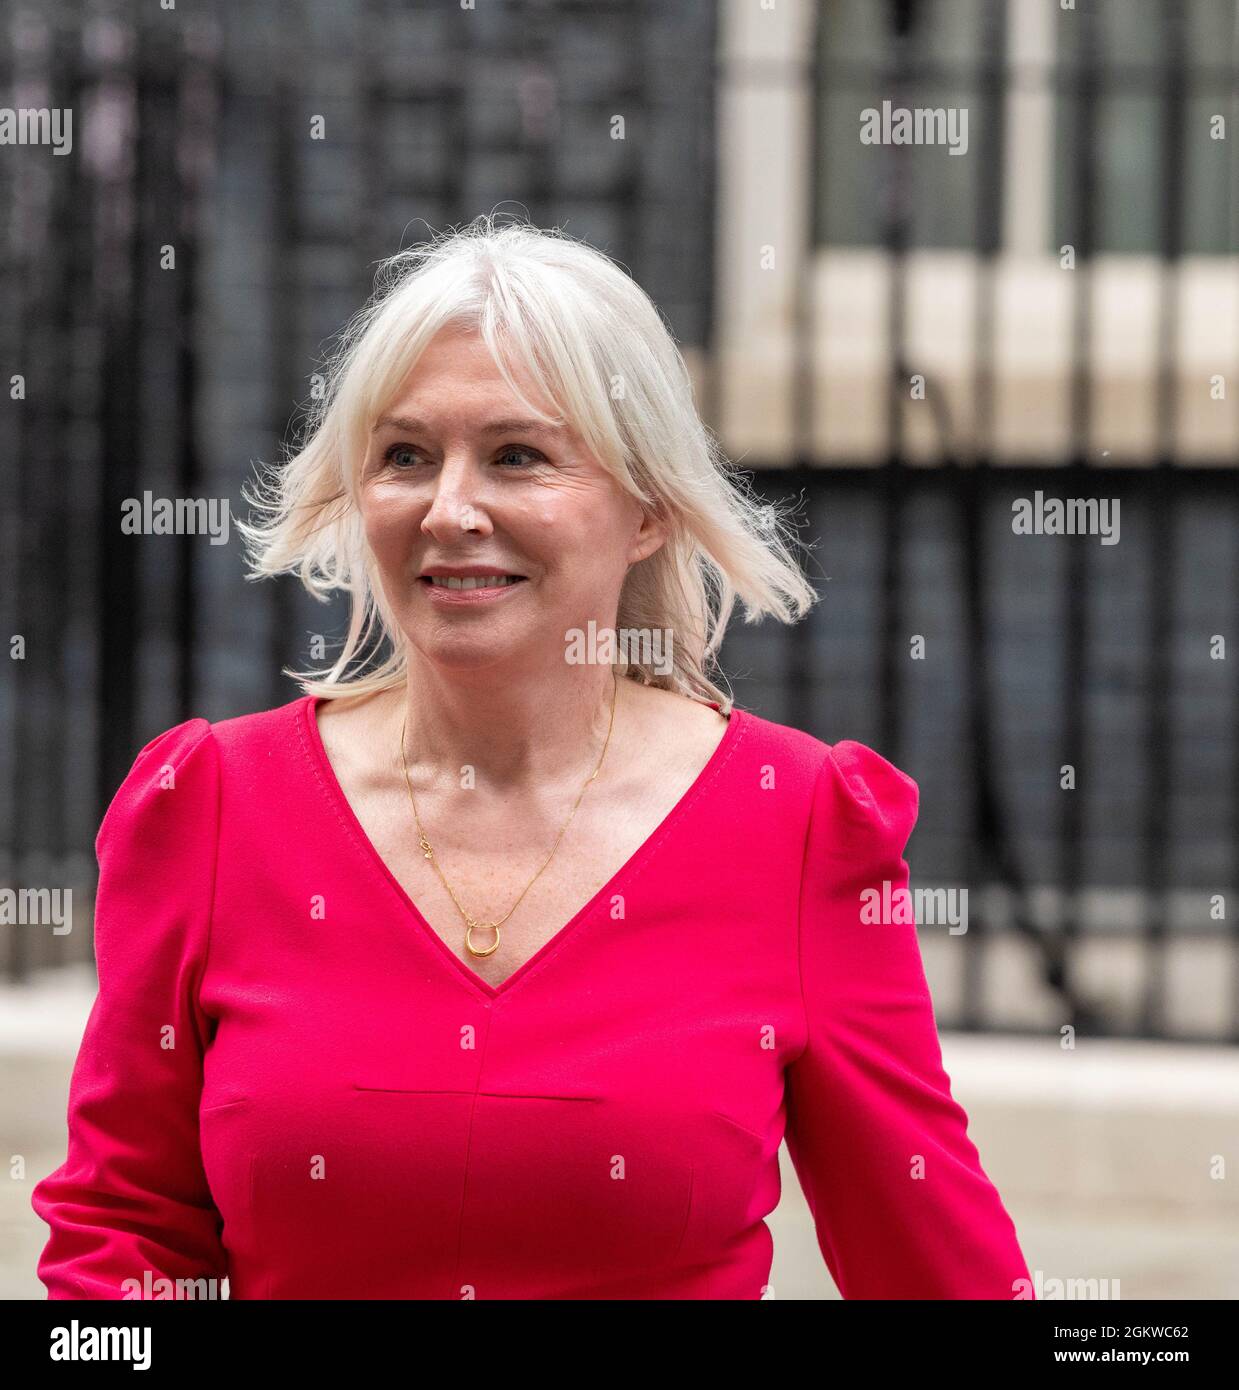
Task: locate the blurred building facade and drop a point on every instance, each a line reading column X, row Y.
column 908, row 340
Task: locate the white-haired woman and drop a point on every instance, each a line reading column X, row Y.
column 499, row 963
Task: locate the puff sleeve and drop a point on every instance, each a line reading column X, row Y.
column 131, row 1195
column 900, row 1202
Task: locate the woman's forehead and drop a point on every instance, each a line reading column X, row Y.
column 453, row 359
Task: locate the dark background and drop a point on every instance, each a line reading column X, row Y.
column 191, row 129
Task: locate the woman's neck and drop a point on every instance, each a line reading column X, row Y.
column 510, row 734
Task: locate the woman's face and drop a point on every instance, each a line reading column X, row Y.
column 453, row 480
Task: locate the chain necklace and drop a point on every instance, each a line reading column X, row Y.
column 471, row 923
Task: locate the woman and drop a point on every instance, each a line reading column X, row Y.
column 501, row 969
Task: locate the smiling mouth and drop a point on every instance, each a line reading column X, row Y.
column 487, row 581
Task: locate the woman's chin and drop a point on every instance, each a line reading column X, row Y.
column 478, row 653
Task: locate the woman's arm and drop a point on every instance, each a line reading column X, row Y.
column 131, row 1195
column 902, row 1206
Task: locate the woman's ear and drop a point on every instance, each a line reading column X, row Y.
column 650, row 537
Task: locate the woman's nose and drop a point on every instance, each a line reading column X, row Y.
column 456, row 504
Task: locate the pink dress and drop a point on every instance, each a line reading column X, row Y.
column 290, row 1080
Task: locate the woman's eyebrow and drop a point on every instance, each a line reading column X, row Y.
column 404, row 422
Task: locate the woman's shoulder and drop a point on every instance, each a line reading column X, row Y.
column 846, row 787
column 165, row 790
column 262, row 729
column 197, row 749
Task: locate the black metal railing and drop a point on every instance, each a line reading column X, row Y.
column 1042, row 651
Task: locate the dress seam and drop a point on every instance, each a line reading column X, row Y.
column 804, row 863
column 208, row 737
column 454, row 1288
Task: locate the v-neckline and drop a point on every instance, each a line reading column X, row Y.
column 316, row 752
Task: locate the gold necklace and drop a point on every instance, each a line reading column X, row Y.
column 472, row 923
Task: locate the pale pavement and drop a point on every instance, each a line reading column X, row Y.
column 1106, row 1157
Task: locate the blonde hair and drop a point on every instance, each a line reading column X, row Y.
column 598, row 346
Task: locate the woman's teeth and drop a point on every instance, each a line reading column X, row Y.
column 488, row 581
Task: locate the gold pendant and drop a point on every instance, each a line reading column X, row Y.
column 471, row 948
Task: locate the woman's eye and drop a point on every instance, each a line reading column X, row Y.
column 398, row 453
column 404, row 456
column 519, row 453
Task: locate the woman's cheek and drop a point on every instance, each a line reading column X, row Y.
column 392, row 536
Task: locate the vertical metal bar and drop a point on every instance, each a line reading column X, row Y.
column 64, row 82
column 804, row 307
column 187, row 461
column 12, row 296
column 47, row 415
column 119, row 596
column 82, row 531
column 636, row 92
column 707, row 127
column 534, row 129
column 30, row 250
column 454, row 97
column 1234, row 504
column 983, row 844
column 1163, row 528
column 895, row 237
column 1074, row 478
column 372, row 99
column 375, row 100
column 799, row 638
column 284, row 208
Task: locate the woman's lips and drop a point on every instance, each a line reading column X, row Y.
column 439, row 593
